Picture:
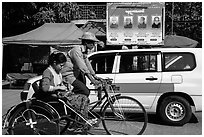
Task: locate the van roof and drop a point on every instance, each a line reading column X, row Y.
column 153, row 49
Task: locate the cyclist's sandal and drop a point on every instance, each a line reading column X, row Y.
column 95, row 122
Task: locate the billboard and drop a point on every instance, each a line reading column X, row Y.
column 136, row 23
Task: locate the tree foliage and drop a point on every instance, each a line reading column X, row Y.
column 185, row 21
column 17, row 17
column 57, row 12
column 20, row 17
column 17, row 12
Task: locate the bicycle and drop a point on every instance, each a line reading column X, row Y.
column 118, row 115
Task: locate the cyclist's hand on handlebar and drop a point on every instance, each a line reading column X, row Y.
column 95, row 82
column 98, row 78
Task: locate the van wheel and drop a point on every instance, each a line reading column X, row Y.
column 175, row 110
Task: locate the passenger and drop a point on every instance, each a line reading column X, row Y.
column 52, row 78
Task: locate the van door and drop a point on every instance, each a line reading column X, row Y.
column 139, row 75
column 104, row 65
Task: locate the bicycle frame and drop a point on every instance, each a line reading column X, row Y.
column 73, row 110
column 99, row 102
column 105, row 88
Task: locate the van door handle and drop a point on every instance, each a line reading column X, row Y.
column 151, row 79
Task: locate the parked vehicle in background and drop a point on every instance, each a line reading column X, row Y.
column 167, row 81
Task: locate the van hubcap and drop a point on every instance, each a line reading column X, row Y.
column 175, row 111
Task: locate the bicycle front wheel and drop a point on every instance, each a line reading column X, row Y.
column 125, row 115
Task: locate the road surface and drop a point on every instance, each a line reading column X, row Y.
column 155, row 127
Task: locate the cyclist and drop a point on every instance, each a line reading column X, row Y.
column 75, row 70
column 78, row 65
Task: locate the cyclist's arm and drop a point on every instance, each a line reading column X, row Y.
column 89, row 66
column 92, row 72
column 92, row 79
column 78, row 58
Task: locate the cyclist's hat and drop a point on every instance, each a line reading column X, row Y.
column 89, row 36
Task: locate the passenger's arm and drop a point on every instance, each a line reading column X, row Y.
column 46, row 83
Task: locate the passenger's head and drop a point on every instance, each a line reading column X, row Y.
column 89, row 40
column 57, row 61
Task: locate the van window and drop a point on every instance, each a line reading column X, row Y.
column 102, row 63
column 179, row 62
column 135, row 62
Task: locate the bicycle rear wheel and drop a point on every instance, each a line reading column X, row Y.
column 125, row 116
column 33, row 121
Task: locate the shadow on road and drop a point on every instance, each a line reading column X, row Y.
column 154, row 119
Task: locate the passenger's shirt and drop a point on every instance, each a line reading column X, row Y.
column 50, row 79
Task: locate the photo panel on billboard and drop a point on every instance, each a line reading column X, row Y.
column 156, row 21
column 128, row 21
column 142, row 22
column 114, row 22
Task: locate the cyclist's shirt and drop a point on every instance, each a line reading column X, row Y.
column 80, row 60
column 76, row 62
column 68, row 72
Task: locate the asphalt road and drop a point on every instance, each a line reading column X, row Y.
column 155, row 126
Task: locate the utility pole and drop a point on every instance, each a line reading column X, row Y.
column 172, row 23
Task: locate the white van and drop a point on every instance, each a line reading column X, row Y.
column 167, row 81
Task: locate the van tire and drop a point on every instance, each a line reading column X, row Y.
column 175, row 110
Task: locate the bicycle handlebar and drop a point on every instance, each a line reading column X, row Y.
column 105, row 81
